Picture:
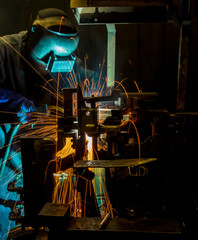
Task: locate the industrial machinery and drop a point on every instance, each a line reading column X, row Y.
column 146, row 155
column 143, row 159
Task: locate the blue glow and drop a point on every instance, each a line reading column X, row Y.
column 100, row 187
column 60, row 50
column 2, row 139
column 61, row 46
column 4, row 99
column 22, row 114
column 60, row 64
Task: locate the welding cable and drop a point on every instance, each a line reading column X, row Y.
column 15, row 130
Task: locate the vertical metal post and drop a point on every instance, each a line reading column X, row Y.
column 183, row 61
column 182, row 68
column 111, row 47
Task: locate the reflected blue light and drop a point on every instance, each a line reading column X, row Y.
column 4, row 98
column 22, row 114
column 60, row 64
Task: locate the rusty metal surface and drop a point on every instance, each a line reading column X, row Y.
column 112, row 163
column 54, row 210
column 133, row 3
column 149, row 225
column 125, row 11
column 98, row 3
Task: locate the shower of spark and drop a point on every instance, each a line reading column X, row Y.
column 65, row 190
column 44, row 124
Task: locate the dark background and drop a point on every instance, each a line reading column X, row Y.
column 151, row 48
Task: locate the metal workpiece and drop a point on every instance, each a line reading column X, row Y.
column 112, row 163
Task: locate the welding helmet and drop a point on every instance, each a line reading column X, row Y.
column 56, row 38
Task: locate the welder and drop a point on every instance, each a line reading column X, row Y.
column 35, row 65
column 30, row 58
column 33, row 62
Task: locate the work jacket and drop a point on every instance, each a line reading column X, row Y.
column 18, row 76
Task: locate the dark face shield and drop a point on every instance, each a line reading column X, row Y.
column 54, row 48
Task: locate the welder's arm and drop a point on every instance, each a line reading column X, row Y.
column 14, row 107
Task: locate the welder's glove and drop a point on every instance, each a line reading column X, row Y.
column 14, row 107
